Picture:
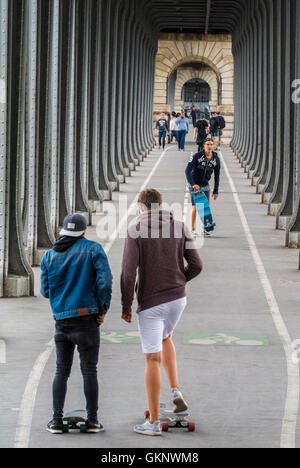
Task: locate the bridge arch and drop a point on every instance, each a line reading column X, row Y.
column 215, row 51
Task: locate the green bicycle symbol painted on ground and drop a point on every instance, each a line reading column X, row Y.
column 224, row 339
column 118, row 337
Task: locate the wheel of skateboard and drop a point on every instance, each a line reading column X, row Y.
column 147, row 414
column 164, row 426
column 191, row 427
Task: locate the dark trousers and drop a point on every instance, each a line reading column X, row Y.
column 181, row 134
column 162, row 138
column 85, row 334
column 200, row 144
column 173, row 135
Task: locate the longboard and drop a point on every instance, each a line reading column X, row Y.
column 169, row 419
column 204, row 210
column 75, row 420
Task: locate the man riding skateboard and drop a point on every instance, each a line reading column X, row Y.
column 76, row 277
column 157, row 247
column 199, row 172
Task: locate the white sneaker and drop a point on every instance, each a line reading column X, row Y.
column 195, row 233
column 149, row 429
column 178, row 400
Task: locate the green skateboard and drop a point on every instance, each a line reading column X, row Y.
column 75, row 420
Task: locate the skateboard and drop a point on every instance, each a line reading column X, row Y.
column 75, row 420
column 206, row 216
column 169, row 419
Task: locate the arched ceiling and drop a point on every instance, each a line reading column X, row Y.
column 197, row 16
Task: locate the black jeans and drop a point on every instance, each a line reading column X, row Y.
column 162, row 137
column 84, row 333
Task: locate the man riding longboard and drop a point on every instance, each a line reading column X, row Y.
column 199, row 172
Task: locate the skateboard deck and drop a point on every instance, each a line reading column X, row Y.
column 75, row 420
column 205, row 214
column 169, row 419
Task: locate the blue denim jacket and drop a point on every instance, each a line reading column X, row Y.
column 78, row 282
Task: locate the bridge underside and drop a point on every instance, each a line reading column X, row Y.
column 76, row 108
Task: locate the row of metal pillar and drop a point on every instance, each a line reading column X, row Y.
column 267, row 102
column 76, row 117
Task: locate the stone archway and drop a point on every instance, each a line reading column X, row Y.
column 215, row 51
column 186, row 74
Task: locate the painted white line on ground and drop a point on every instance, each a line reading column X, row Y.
column 27, row 406
column 22, row 435
column 289, row 423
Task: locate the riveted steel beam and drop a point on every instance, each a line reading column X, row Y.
column 17, row 276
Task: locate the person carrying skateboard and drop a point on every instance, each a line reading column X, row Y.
column 77, row 279
column 157, row 247
column 199, row 172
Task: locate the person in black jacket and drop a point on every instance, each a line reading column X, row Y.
column 201, row 131
column 199, row 172
column 214, row 129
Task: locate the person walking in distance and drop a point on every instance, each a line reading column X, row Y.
column 214, row 129
column 173, row 127
column 194, row 116
column 163, row 127
column 77, row 279
column 199, row 172
column 221, row 125
column 157, row 247
column 183, row 129
column 201, row 132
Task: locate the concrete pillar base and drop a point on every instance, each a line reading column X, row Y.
column 260, row 189
column 131, row 166
column 121, row 179
column 114, row 186
column 283, row 222
column 38, row 255
column 293, row 240
column 106, row 195
column 273, row 209
column 96, row 206
column 17, row 286
column 266, row 197
column 254, row 181
column 250, row 174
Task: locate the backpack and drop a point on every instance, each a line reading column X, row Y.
column 201, row 134
column 221, row 122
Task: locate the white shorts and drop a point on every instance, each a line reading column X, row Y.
column 158, row 323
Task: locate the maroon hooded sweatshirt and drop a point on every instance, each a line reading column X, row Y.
column 157, row 247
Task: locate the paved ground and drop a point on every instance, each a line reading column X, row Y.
column 237, row 394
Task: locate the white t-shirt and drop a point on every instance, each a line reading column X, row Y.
column 173, row 125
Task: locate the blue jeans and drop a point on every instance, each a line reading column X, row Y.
column 181, row 134
column 84, row 333
column 162, row 136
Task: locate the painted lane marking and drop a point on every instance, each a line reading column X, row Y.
column 27, row 405
column 225, row 339
column 289, row 423
column 118, row 337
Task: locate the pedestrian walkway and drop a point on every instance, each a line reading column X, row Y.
column 232, row 362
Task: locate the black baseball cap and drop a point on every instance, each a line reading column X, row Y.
column 75, row 225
